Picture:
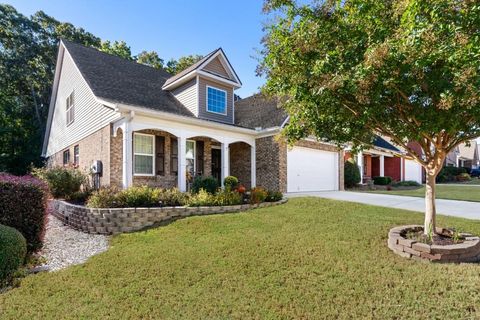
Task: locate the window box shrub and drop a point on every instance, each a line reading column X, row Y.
column 13, row 250
column 23, row 206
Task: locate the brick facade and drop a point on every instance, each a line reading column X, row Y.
column 240, row 163
column 94, row 147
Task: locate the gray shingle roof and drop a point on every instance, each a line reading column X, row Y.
column 258, row 111
column 122, row 81
column 191, row 68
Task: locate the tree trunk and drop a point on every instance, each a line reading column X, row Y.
column 430, row 210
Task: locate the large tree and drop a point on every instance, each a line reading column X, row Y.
column 175, row 66
column 405, row 69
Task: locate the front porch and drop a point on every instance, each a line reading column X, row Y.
column 376, row 163
column 166, row 154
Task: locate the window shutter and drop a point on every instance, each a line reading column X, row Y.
column 160, row 159
column 173, row 155
column 199, row 160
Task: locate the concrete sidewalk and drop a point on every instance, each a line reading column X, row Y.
column 454, row 208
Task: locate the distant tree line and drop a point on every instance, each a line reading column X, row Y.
column 28, row 47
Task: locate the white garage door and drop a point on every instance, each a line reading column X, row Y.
column 311, row 170
column 413, row 171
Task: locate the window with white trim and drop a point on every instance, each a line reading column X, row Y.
column 70, row 107
column 216, row 100
column 143, row 154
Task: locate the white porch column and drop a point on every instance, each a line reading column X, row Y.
column 127, row 163
column 382, row 166
column 225, row 161
column 253, row 165
column 182, row 164
column 360, row 165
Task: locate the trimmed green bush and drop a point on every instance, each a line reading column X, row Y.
column 450, row 174
column 105, row 197
column 63, row 182
column 13, row 249
column 143, row 196
column 382, row 181
column 351, row 174
column 172, row 197
column 463, row 177
column 230, row 182
column 209, row 184
column 273, row 196
column 23, row 206
column 222, row 198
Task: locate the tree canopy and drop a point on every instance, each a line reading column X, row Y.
column 406, row 69
column 175, row 66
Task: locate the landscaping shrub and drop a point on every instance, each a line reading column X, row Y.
column 222, row 198
column 143, row 196
column 351, row 174
column 450, row 174
column 63, row 182
column 463, row 177
column 172, row 197
column 209, row 184
column 13, row 249
column 273, row 196
column 230, row 182
column 407, row 183
column 23, row 206
column 105, row 197
column 257, row 195
column 382, row 181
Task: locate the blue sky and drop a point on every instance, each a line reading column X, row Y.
column 172, row 28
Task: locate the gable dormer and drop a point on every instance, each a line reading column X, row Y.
column 207, row 87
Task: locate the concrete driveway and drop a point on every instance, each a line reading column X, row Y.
column 463, row 209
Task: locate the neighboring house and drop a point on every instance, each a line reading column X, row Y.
column 383, row 158
column 464, row 156
column 146, row 126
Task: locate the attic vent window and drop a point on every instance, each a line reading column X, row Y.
column 216, row 100
column 70, row 106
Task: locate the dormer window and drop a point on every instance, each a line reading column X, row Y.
column 70, row 106
column 216, row 100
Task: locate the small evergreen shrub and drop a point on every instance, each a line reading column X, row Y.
column 351, row 174
column 273, row 196
column 222, row 198
column 257, row 195
column 230, row 182
column 63, row 182
column 200, row 199
column 209, row 184
column 462, row 177
column 13, row 249
column 172, row 197
column 105, row 197
column 142, row 196
column 382, row 181
column 449, row 174
column 23, row 206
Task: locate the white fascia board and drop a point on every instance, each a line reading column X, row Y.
column 181, row 80
column 224, row 61
column 184, row 119
column 218, row 78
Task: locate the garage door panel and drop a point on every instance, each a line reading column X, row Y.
column 311, row 170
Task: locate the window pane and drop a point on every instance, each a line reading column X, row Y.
column 143, row 144
column 216, row 100
column 143, row 164
column 190, row 150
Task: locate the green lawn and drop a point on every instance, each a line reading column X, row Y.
column 444, row 191
column 311, row 258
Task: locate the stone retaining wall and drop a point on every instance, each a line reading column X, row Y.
column 467, row 251
column 118, row 220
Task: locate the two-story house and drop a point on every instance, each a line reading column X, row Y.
column 147, row 126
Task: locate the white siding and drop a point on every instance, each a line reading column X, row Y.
column 187, row 95
column 90, row 115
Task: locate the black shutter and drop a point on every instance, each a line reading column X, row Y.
column 174, row 155
column 160, row 158
column 200, row 152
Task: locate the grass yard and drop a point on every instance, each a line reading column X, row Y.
column 311, row 258
column 444, row 191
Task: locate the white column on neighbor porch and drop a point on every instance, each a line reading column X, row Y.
column 225, row 161
column 182, row 164
column 360, row 165
column 253, row 165
column 382, row 165
column 127, row 156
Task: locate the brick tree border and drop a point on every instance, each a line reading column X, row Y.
column 467, row 251
column 119, row 220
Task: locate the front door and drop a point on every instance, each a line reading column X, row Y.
column 217, row 164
